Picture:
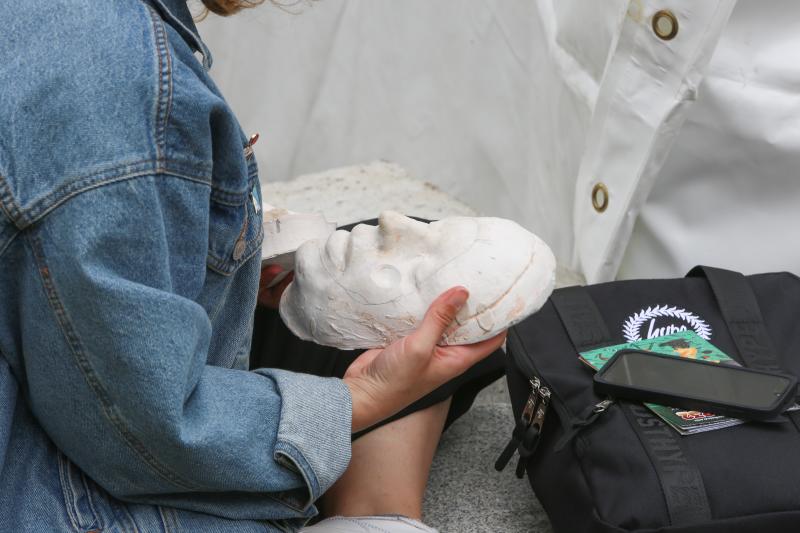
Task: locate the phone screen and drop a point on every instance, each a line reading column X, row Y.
column 685, row 378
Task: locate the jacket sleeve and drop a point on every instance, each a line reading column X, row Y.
column 116, row 340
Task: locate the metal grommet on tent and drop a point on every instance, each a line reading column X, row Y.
column 665, row 24
column 600, row 197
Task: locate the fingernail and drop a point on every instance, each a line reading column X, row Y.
column 457, row 297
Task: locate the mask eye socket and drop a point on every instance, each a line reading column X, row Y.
column 386, row 276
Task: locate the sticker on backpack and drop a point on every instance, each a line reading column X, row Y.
column 663, row 320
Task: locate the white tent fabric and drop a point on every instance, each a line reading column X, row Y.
column 729, row 191
column 466, row 94
column 518, row 108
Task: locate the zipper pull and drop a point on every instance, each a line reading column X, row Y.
column 533, row 399
column 530, row 441
column 248, row 147
column 522, row 425
column 587, row 418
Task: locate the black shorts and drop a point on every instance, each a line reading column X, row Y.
column 274, row 346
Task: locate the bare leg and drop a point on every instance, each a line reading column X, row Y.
column 389, row 468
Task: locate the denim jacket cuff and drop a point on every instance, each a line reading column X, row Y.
column 313, row 433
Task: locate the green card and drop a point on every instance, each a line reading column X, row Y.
column 683, row 344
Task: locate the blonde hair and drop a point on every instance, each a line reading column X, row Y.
column 229, row 7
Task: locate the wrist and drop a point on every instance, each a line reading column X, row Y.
column 362, row 406
column 357, row 401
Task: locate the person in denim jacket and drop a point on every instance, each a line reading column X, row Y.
column 130, row 237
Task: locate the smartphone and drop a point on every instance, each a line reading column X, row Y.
column 699, row 385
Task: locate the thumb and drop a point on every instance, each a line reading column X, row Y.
column 441, row 313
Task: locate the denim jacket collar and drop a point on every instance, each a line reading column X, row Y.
column 177, row 14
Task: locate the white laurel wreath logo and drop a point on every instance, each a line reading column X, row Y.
column 631, row 328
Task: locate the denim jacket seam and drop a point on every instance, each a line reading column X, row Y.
column 3, row 198
column 231, row 197
column 73, row 485
column 188, row 35
column 9, row 205
column 283, row 502
column 171, row 525
column 90, row 500
column 44, row 205
column 4, row 246
column 66, row 491
column 305, row 514
column 164, row 100
column 108, row 408
column 292, row 453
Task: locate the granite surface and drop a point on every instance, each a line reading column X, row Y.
column 465, row 494
column 361, row 192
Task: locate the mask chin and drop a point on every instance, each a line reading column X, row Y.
column 289, row 308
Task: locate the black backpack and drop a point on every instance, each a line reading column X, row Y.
column 597, row 466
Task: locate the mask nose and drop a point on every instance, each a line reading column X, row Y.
column 396, row 229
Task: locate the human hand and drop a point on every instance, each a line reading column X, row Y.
column 383, row 381
column 271, row 296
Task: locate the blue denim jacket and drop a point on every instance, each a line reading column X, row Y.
column 130, row 236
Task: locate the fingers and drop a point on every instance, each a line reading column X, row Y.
column 270, row 271
column 280, row 287
column 268, row 274
column 466, row 355
column 441, row 313
column 271, row 296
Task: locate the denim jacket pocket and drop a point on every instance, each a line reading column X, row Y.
column 235, row 231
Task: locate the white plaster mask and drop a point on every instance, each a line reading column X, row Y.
column 371, row 286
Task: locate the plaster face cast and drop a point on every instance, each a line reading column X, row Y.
column 371, row 286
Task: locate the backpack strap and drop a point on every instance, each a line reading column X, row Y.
column 742, row 315
column 681, row 482
column 579, row 314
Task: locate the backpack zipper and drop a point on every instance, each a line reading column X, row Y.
column 525, row 420
column 587, row 418
column 530, row 441
column 525, row 437
column 530, row 405
column 525, row 423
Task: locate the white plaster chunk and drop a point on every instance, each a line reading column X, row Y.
column 285, row 231
column 371, row 286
